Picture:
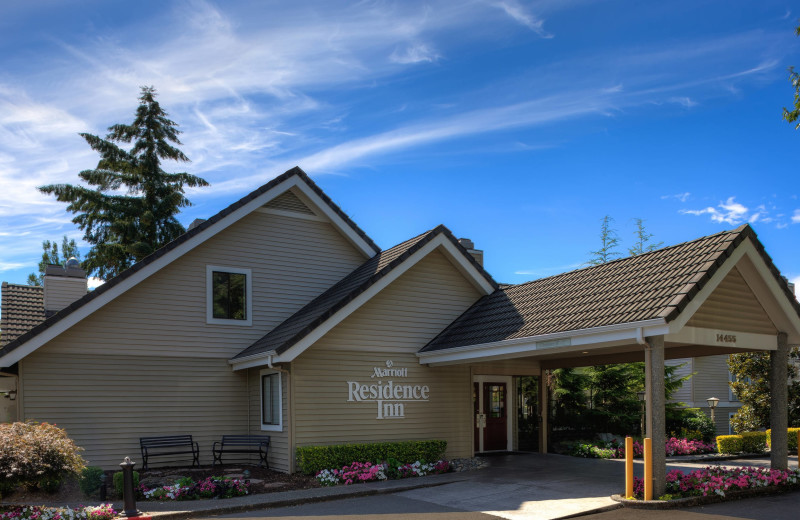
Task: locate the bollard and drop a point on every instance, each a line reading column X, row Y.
column 628, row 467
column 103, row 488
column 648, row 468
column 798, row 449
column 128, row 493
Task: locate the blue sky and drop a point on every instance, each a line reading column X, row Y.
column 517, row 124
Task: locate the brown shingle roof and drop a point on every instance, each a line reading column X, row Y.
column 304, row 321
column 296, row 171
column 23, row 309
column 644, row 287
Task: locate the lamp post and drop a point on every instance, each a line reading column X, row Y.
column 712, row 403
column 641, row 397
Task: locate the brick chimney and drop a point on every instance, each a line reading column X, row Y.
column 477, row 254
column 63, row 285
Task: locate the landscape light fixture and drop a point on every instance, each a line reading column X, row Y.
column 712, row 403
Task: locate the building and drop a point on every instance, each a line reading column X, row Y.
column 280, row 315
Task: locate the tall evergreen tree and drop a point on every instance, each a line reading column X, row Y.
column 51, row 255
column 609, row 242
column 643, row 242
column 131, row 211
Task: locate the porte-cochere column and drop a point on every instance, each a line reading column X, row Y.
column 779, row 403
column 656, row 417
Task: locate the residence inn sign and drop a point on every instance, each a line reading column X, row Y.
column 389, row 396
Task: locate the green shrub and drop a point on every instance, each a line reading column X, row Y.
column 90, row 480
column 118, row 482
column 690, row 423
column 754, row 442
column 729, row 443
column 792, row 438
column 37, row 455
column 312, row 459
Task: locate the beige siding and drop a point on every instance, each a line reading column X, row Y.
column 107, row 402
column 711, row 379
column 292, row 261
column 733, row 306
column 684, row 393
column 60, row 291
column 149, row 364
column 394, row 325
column 279, row 441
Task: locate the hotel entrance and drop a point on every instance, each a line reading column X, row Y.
column 492, row 424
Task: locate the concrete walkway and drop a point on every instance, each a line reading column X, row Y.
column 514, row 486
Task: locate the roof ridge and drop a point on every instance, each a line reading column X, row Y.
column 738, row 230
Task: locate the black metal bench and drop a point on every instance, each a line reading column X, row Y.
column 242, row 444
column 169, row 445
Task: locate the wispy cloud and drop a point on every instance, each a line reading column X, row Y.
column 728, row 212
column 517, row 12
column 414, row 54
column 796, row 217
column 680, row 196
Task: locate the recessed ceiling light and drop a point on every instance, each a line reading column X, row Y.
column 584, row 352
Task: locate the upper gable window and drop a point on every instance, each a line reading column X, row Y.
column 229, row 295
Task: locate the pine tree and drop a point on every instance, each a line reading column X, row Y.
column 609, row 241
column 131, row 211
column 643, row 243
column 50, row 255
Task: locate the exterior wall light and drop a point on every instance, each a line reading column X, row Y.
column 712, row 403
column 11, row 395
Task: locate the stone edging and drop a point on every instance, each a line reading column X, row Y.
column 703, row 500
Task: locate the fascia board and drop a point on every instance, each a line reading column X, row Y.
column 771, row 296
column 79, row 314
column 353, row 237
column 439, row 241
column 746, row 249
column 522, row 347
column 711, row 285
column 258, row 360
column 747, row 341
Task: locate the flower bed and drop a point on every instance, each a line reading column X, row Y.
column 101, row 512
column 614, row 450
column 188, row 489
column 716, row 480
column 367, row 472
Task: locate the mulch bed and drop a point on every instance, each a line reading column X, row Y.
column 261, row 481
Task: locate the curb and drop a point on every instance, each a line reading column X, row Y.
column 286, row 502
column 702, row 500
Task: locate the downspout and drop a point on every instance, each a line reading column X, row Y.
column 289, row 412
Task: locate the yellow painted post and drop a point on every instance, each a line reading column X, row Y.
column 648, row 469
column 798, row 449
column 628, row 467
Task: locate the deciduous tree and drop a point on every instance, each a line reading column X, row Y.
column 51, row 255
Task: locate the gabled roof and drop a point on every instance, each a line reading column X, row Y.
column 322, row 308
column 651, row 286
column 23, row 309
column 191, row 238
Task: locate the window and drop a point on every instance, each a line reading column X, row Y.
column 732, row 379
column 271, row 400
column 730, row 425
column 229, row 295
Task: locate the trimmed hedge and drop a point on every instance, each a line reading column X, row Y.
column 119, row 482
column 312, row 459
column 754, row 442
column 729, row 443
column 792, row 438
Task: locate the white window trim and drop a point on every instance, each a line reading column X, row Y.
column 210, row 319
column 270, row 427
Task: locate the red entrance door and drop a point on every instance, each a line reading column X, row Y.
column 495, row 434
